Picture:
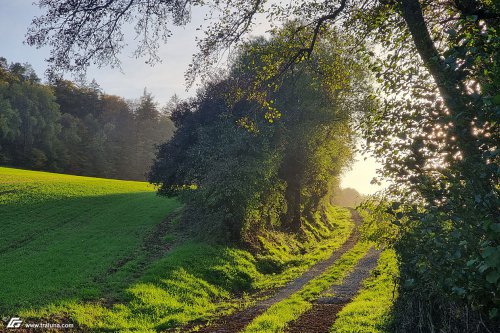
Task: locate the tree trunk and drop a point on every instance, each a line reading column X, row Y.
column 453, row 91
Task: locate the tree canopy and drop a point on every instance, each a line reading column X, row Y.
column 76, row 129
column 241, row 173
column 435, row 128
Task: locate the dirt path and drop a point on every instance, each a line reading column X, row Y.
column 324, row 312
column 238, row 321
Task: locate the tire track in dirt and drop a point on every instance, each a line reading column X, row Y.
column 153, row 245
column 236, row 322
column 322, row 315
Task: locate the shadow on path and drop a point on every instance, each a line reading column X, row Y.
column 238, row 321
column 320, row 318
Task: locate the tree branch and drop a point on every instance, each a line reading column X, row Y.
column 319, row 24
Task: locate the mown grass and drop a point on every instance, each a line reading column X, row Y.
column 76, row 228
column 292, row 256
column 370, row 311
column 276, row 318
column 61, row 234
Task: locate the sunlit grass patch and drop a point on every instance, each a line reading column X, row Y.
column 370, row 311
column 276, row 318
column 291, row 256
column 62, row 234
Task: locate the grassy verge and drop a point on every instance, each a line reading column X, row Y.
column 370, row 311
column 195, row 282
column 276, row 318
column 289, row 256
column 78, row 244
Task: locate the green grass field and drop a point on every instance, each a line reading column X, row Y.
column 370, row 310
column 74, row 250
column 195, row 281
column 61, row 234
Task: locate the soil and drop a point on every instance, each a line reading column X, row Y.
column 238, row 321
column 320, row 318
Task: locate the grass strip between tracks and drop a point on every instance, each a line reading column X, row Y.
column 276, row 318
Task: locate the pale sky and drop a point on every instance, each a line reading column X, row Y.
column 163, row 80
column 361, row 174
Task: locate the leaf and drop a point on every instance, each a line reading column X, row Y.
column 477, row 197
column 471, row 262
column 495, row 227
column 395, row 205
column 451, row 32
column 492, row 277
column 496, row 100
column 409, row 282
column 458, row 290
column 472, row 18
column 396, row 222
column 483, row 268
column 488, row 251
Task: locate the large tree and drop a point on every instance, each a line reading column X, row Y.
column 241, row 174
column 436, row 130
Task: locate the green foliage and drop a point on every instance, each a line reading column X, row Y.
column 29, row 118
column 75, row 129
column 371, row 310
column 436, row 133
column 246, row 159
column 382, row 221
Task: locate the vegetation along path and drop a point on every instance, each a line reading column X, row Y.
column 320, row 318
column 238, row 321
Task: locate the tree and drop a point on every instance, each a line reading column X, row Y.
column 30, row 118
column 442, row 54
column 151, row 128
column 119, row 126
column 347, row 197
column 10, row 126
column 435, row 133
column 240, row 173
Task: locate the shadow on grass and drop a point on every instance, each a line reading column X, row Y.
column 87, row 260
column 58, row 248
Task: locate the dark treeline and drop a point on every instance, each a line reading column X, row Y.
column 76, row 128
column 247, row 162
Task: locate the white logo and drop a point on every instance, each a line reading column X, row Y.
column 15, row 322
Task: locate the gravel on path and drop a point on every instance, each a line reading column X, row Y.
column 236, row 322
column 320, row 318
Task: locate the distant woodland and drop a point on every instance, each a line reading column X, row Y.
column 75, row 128
column 348, row 197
